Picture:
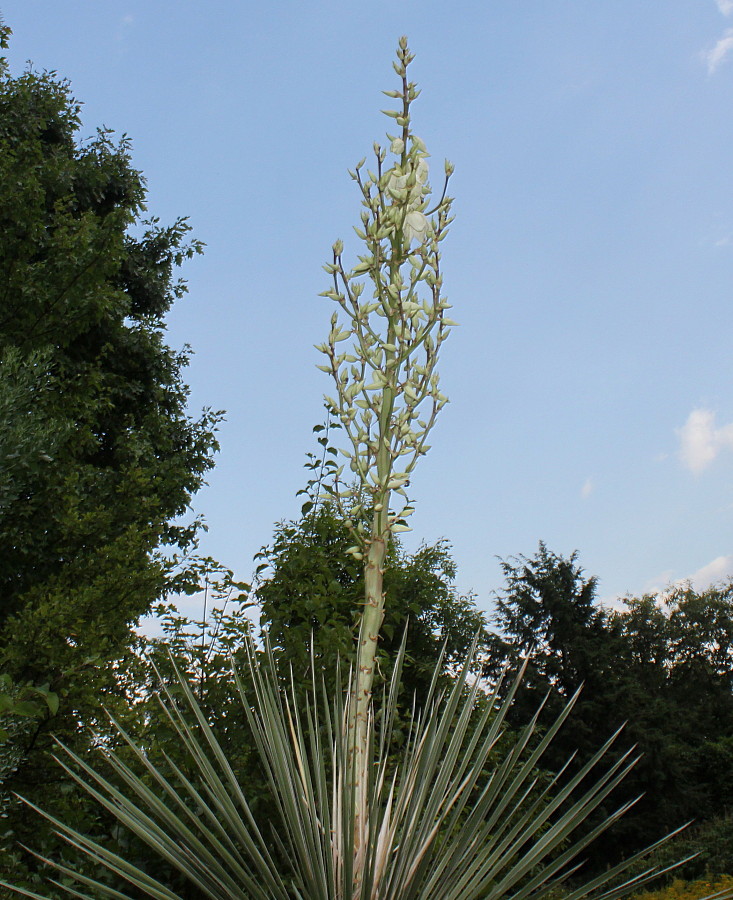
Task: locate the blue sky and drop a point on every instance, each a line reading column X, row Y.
column 590, row 264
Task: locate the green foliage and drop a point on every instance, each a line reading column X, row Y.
column 548, row 609
column 662, row 665
column 706, row 848
column 678, row 678
column 435, row 829
column 311, row 590
column 98, row 456
column 690, row 890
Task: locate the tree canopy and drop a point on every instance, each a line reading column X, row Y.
column 311, row 590
column 661, row 666
column 99, row 457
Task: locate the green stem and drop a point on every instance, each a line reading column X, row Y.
column 371, row 622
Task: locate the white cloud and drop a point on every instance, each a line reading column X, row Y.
column 716, row 57
column 718, row 570
column 725, row 6
column 587, row 488
column 701, row 441
column 663, row 585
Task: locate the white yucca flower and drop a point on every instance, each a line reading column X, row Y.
column 416, row 226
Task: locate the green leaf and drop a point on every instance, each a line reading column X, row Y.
column 52, row 701
column 26, row 708
column 437, row 827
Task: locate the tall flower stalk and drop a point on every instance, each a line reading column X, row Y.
column 382, row 352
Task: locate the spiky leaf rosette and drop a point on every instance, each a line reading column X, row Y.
column 460, row 816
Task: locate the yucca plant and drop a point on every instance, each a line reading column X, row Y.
column 382, row 353
column 456, row 817
column 452, row 820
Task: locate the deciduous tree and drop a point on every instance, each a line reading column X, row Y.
column 99, row 456
column 312, row 591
